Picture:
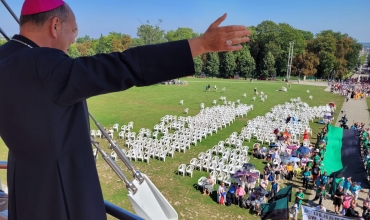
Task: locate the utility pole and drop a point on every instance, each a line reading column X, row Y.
column 290, row 59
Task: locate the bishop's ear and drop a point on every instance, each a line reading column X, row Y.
column 55, row 26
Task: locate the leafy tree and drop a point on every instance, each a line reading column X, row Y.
column 268, row 64
column 85, row 48
column 2, row 41
column 275, row 38
column 307, row 35
column 305, row 64
column 327, row 63
column 212, row 66
column 103, row 45
column 198, row 65
column 352, row 57
column 246, row 64
column 73, row 51
column 180, row 34
column 151, row 34
column 83, row 39
column 137, row 42
column 227, row 64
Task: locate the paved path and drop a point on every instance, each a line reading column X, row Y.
column 355, row 110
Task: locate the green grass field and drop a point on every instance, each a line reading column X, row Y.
column 146, row 105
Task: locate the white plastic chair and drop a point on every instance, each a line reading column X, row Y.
column 146, row 158
column 115, row 127
column 189, row 170
column 201, row 181
column 113, row 155
column 181, row 169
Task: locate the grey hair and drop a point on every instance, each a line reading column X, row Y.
column 39, row 19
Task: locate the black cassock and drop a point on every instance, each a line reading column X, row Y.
column 44, row 120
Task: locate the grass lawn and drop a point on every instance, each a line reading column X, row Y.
column 145, row 106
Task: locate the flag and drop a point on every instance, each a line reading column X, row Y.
column 284, row 192
column 343, row 149
column 275, row 210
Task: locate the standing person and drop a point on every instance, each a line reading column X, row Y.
column 338, row 199
column 347, row 184
column 347, row 199
column 316, row 172
column 306, row 177
column 299, row 196
column 48, row 104
column 355, row 190
column 320, row 194
column 274, row 188
column 240, row 193
column 221, row 194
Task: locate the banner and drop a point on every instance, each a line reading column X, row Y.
column 309, row 213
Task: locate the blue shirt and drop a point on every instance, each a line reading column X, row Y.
column 274, row 186
column 324, row 179
column 346, row 184
column 232, row 189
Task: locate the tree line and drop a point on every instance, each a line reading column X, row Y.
column 327, row 54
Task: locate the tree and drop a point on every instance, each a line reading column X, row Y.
column 198, row 65
column 352, row 57
column 305, row 64
column 151, row 34
column 73, row 51
column 268, row 64
column 180, row 34
column 227, row 64
column 212, row 66
column 327, row 63
column 83, row 39
column 246, row 64
column 307, row 35
column 103, row 45
column 2, row 41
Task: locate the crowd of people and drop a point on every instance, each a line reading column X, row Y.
column 351, row 88
column 307, row 167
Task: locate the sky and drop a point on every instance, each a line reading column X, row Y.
column 96, row 17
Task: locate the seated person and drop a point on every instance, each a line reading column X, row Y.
column 256, row 149
column 208, row 186
column 263, row 152
column 250, row 202
column 267, row 169
column 269, row 155
column 284, row 171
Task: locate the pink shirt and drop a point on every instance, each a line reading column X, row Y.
column 240, row 192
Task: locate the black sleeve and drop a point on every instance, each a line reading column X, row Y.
column 69, row 81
